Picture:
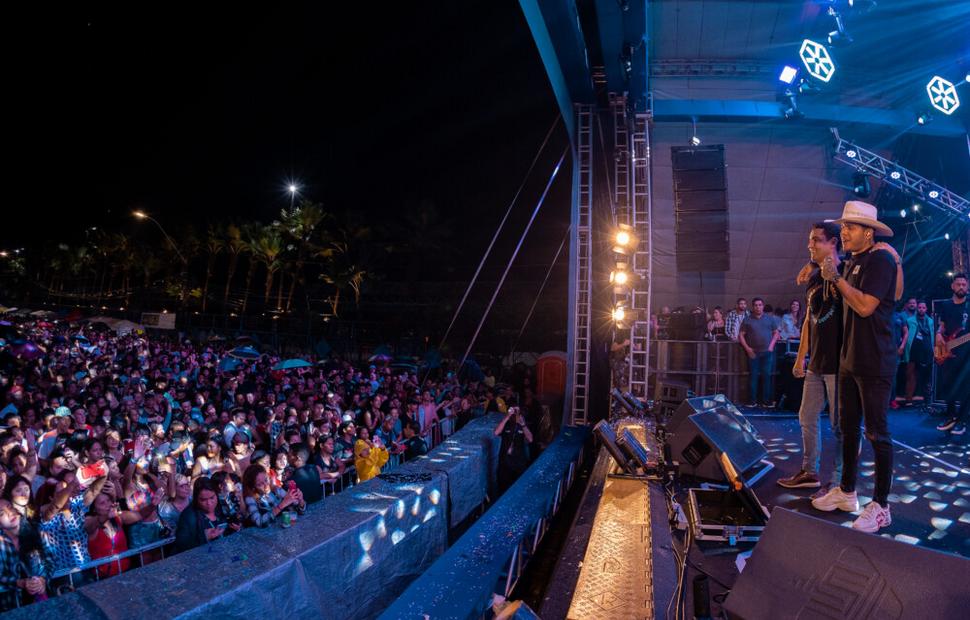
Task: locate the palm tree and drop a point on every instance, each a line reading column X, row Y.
column 235, row 246
column 300, row 223
column 214, row 245
column 341, row 274
column 266, row 247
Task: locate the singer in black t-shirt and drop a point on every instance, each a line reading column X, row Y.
column 867, row 362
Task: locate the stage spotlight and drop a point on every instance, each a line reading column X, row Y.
column 862, row 5
column 943, row 95
column 625, row 240
column 902, row 213
column 946, row 236
column 934, row 194
column 695, row 141
column 860, row 185
column 605, row 433
column 924, row 118
column 966, row 78
column 807, row 87
column 790, row 105
column 633, row 450
column 817, row 60
column 621, row 278
column 788, row 74
column 850, row 154
column 618, row 314
column 949, row 274
column 838, row 37
column 894, row 175
column 916, row 208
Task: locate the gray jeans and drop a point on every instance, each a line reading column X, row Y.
column 814, row 393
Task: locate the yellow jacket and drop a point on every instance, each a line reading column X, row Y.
column 370, row 465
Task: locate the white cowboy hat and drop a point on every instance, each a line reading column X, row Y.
column 858, row 212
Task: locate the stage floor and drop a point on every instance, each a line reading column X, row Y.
column 930, row 501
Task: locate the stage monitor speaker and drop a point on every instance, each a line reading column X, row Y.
column 804, row 567
column 700, row 208
column 706, row 426
column 670, row 391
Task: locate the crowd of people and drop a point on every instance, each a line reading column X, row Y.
column 765, row 334
column 113, row 443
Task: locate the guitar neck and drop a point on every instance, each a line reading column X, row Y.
column 952, row 344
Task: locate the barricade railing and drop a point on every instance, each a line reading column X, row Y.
column 715, row 367
column 440, row 430
column 93, row 565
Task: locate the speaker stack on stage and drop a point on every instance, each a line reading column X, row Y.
column 709, row 439
column 701, row 208
column 805, row 567
column 668, row 396
column 702, row 428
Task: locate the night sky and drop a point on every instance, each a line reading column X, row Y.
column 201, row 113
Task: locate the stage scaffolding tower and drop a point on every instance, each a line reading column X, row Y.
column 642, row 258
column 577, row 386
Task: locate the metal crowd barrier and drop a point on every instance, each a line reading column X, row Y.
column 440, row 431
column 718, row 367
column 118, row 557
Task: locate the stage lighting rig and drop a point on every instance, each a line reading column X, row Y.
column 625, row 240
column 789, row 104
column 860, row 185
column 817, row 60
column 943, row 95
column 894, row 175
column 838, row 37
column 924, row 118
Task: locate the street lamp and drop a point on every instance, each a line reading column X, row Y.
column 293, row 189
column 141, row 215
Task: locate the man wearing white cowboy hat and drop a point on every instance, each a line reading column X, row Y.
column 867, row 362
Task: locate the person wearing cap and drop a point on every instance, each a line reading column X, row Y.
column 61, row 425
column 867, row 361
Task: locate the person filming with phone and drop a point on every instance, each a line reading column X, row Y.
column 514, row 452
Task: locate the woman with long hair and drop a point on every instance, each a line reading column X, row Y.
column 263, row 503
column 203, row 521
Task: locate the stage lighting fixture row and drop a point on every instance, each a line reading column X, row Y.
column 625, row 240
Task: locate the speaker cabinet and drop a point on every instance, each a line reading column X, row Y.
column 705, row 426
column 804, row 567
column 700, row 208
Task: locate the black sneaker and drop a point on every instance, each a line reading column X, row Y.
column 959, row 429
column 801, row 480
column 947, row 425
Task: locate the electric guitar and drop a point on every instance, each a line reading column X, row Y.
column 944, row 351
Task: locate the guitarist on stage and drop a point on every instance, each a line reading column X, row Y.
column 953, row 381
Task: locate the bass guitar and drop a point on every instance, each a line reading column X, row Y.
column 944, row 351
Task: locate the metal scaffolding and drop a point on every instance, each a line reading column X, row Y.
column 581, row 271
column 895, row 175
column 621, row 158
column 642, row 259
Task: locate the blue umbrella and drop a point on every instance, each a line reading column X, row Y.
column 292, row 363
column 228, row 364
column 245, row 353
column 382, row 353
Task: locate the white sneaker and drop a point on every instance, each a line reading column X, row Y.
column 873, row 518
column 837, row 498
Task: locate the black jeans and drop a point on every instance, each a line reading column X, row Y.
column 954, row 385
column 866, row 398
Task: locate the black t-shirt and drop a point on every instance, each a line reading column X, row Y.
column 307, row 479
column 824, row 326
column 954, row 318
column 956, row 322
column 868, row 349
